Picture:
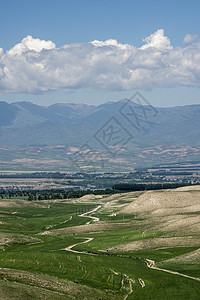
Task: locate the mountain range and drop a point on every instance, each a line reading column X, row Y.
column 25, row 123
column 120, row 135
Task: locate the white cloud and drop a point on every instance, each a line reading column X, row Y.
column 109, row 42
column 37, row 66
column 29, row 43
column 157, row 40
column 191, row 38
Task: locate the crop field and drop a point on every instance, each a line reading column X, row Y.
column 124, row 246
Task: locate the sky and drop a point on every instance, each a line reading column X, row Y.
column 98, row 51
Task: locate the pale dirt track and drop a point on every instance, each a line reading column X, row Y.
column 69, row 248
column 141, row 282
column 89, row 239
column 151, row 264
column 130, row 288
column 95, row 219
column 168, row 210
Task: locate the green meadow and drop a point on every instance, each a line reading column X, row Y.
column 35, row 264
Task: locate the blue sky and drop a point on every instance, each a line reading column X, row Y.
column 69, row 22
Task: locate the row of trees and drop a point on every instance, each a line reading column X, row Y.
column 52, row 194
column 66, row 194
column 146, row 186
column 62, row 194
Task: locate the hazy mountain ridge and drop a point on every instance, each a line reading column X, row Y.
column 25, row 123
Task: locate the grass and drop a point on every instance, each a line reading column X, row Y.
column 162, row 254
column 15, row 290
column 99, row 276
column 95, row 271
column 34, row 220
column 111, row 238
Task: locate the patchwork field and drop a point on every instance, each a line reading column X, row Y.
column 125, row 246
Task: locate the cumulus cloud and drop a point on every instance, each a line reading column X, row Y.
column 157, row 40
column 29, row 43
column 191, row 38
column 37, row 66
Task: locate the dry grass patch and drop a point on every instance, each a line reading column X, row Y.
column 157, row 243
column 90, row 228
column 64, row 287
column 9, row 238
column 188, row 258
column 164, row 203
column 188, row 188
column 18, row 203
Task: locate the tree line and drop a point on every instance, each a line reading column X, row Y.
column 52, row 194
column 130, row 187
column 66, row 194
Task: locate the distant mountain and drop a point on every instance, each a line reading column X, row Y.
column 25, row 123
column 8, row 113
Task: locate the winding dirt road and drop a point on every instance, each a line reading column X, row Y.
column 151, row 264
column 88, row 239
column 95, row 219
column 130, row 287
column 69, row 248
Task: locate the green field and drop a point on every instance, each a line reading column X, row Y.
column 34, row 263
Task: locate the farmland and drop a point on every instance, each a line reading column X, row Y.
column 136, row 245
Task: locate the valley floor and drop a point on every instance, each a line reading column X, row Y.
column 125, row 246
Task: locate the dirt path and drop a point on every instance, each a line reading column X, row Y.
column 88, row 239
column 116, row 273
column 130, row 287
column 69, row 248
column 95, row 219
column 151, row 264
column 141, row 282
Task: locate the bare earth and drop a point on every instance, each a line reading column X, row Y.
column 176, row 213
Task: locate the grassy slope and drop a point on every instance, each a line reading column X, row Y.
column 95, row 276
